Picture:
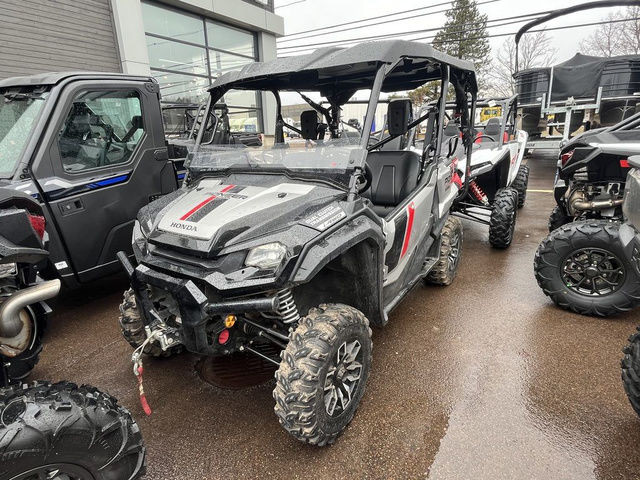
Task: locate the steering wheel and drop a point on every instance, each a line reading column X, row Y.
column 368, row 179
column 485, row 136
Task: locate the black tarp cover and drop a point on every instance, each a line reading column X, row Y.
column 581, row 75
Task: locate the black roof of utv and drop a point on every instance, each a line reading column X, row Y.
column 353, row 68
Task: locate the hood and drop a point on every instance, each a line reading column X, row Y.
column 215, row 214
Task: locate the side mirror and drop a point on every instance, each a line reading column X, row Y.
column 634, row 161
column 399, row 115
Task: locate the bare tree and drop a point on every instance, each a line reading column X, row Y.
column 615, row 37
column 535, row 50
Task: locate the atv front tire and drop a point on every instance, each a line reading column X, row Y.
column 520, row 183
column 444, row 271
column 21, row 365
column 631, row 370
column 558, row 218
column 323, row 373
column 66, row 431
column 582, row 267
column 132, row 328
column 502, row 223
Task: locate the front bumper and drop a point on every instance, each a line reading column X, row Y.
column 196, row 311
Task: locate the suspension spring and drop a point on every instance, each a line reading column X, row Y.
column 287, row 309
column 478, row 193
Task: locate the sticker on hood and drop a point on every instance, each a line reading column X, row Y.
column 325, row 217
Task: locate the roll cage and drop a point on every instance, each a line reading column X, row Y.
column 381, row 67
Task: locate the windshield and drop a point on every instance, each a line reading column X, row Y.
column 19, row 110
column 306, row 144
column 332, row 160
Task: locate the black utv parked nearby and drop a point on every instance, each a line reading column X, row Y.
column 592, row 171
column 49, row 431
column 592, row 267
column 302, row 245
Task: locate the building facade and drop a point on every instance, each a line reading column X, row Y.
column 184, row 44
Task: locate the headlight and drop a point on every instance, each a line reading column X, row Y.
column 266, row 257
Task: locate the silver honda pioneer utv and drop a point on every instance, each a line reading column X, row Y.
column 304, row 244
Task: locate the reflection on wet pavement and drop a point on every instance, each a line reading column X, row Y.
column 484, row 379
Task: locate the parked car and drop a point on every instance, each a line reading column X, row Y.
column 303, row 246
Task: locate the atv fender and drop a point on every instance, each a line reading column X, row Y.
column 365, row 234
column 630, row 239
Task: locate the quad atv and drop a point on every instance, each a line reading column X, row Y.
column 592, row 267
column 303, row 245
column 499, row 179
column 49, row 431
column 592, row 169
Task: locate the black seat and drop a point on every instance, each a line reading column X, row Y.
column 394, row 177
column 493, row 128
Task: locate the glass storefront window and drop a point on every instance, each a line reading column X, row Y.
column 170, row 23
column 230, row 39
column 176, row 56
column 221, row 62
column 185, row 61
column 177, row 88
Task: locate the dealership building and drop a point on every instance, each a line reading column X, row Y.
column 184, row 44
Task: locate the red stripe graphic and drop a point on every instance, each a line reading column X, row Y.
column 197, row 207
column 204, row 202
column 407, row 236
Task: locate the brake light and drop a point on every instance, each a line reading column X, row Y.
column 624, row 163
column 565, row 157
column 38, row 224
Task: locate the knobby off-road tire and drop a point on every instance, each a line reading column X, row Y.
column 560, row 255
column 558, row 218
column 520, row 183
column 132, row 328
column 310, row 367
column 631, row 371
column 502, row 223
column 445, row 270
column 21, row 365
column 79, row 431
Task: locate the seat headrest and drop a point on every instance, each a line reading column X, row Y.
column 451, row 130
column 492, row 128
column 309, row 124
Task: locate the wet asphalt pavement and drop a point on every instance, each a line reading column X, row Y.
column 485, row 379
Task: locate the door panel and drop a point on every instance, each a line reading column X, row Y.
column 101, row 149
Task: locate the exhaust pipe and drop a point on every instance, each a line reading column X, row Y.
column 15, row 324
column 597, row 204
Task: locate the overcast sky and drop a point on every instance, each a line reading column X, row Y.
column 309, row 14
